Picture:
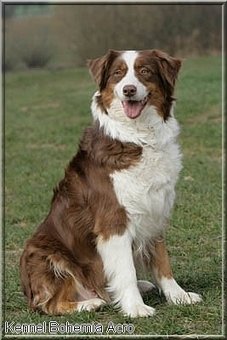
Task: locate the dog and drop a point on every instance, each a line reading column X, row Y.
column 109, row 214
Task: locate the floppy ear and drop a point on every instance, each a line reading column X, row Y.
column 168, row 67
column 99, row 68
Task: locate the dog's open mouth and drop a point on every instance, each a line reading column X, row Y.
column 133, row 108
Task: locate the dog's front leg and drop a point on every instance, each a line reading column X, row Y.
column 116, row 254
column 164, row 278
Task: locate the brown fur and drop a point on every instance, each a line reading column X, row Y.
column 99, row 67
column 62, row 252
column 160, row 261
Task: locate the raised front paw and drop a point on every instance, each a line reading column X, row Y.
column 184, row 298
column 139, row 310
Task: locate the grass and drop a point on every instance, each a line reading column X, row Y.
column 45, row 113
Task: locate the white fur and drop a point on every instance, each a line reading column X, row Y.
column 130, row 79
column 175, row 294
column 89, row 305
column 116, row 254
column 147, row 189
column 148, row 129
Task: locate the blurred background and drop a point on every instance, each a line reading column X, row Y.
column 61, row 36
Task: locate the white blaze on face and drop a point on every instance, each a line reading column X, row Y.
column 130, row 78
column 135, row 104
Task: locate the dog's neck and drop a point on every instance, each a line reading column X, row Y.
column 148, row 129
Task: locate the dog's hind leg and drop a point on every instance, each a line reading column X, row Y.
column 145, row 286
column 65, row 300
column 62, row 302
column 89, row 305
column 51, row 286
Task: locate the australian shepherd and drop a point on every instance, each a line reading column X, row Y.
column 109, row 214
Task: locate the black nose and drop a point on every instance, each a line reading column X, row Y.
column 129, row 90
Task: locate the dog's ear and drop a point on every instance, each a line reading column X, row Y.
column 168, row 67
column 99, row 68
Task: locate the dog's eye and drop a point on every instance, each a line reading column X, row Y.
column 118, row 72
column 144, row 71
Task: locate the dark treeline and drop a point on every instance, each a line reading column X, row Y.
column 74, row 33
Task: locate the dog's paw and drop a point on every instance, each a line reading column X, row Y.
column 89, row 305
column 145, row 286
column 183, row 298
column 139, row 310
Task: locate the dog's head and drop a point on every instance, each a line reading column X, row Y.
column 136, row 80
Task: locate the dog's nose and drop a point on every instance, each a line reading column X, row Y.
column 129, row 90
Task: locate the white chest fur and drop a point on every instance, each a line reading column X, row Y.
column 147, row 190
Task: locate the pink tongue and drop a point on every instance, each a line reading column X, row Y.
column 132, row 108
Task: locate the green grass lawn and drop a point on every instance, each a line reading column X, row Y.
column 45, row 114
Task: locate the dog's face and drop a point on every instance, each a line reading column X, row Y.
column 136, row 80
